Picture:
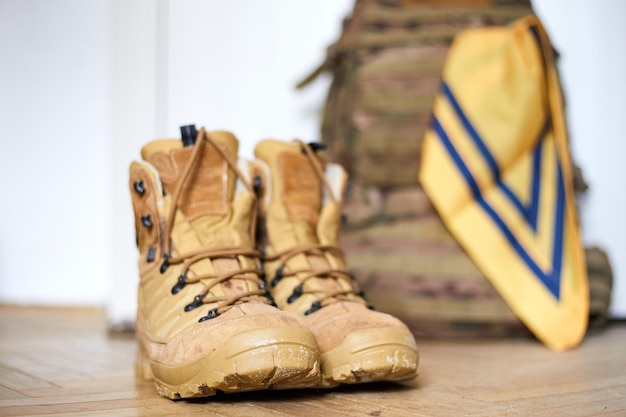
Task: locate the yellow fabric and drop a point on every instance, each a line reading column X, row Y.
column 496, row 165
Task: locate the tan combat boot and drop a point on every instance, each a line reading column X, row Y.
column 204, row 321
column 306, row 270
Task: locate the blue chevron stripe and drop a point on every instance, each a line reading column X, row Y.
column 559, row 223
column 552, row 279
column 533, row 209
column 530, row 211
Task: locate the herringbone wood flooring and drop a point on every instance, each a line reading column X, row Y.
column 62, row 362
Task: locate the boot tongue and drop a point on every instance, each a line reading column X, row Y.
column 209, row 188
column 293, row 215
column 295, row 180
column 206, row 201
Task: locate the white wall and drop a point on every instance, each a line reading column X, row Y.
column 591, row 38
column 55, row 137
column 136, row 105
column 84, row 83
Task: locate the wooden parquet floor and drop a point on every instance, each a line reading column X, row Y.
column 62, row 362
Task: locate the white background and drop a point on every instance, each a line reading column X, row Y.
column 85, row 83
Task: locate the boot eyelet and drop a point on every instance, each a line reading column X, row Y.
column 182, row 281
column 297, row 292
column 277, row 277
column 166, row 263
column 146, row 221
column 139, row 188
column 256, row 184
column 314, row 307
column 151, row 254
column 211, row 315
column 197, row 302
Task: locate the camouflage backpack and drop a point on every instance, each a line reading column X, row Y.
column 386, row 70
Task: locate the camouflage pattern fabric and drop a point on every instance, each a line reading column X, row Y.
column 386, row 70
column 600, row 286
column 412, row 267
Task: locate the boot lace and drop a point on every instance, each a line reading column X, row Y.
column 353, row 292
column 188, row 259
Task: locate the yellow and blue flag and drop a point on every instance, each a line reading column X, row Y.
column 496, row 165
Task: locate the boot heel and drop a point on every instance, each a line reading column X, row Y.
column 142, row 365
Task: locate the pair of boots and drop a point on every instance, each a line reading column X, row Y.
column 243, row 286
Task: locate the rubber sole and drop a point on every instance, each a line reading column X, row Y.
column 274, row 358
column 368, row 355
